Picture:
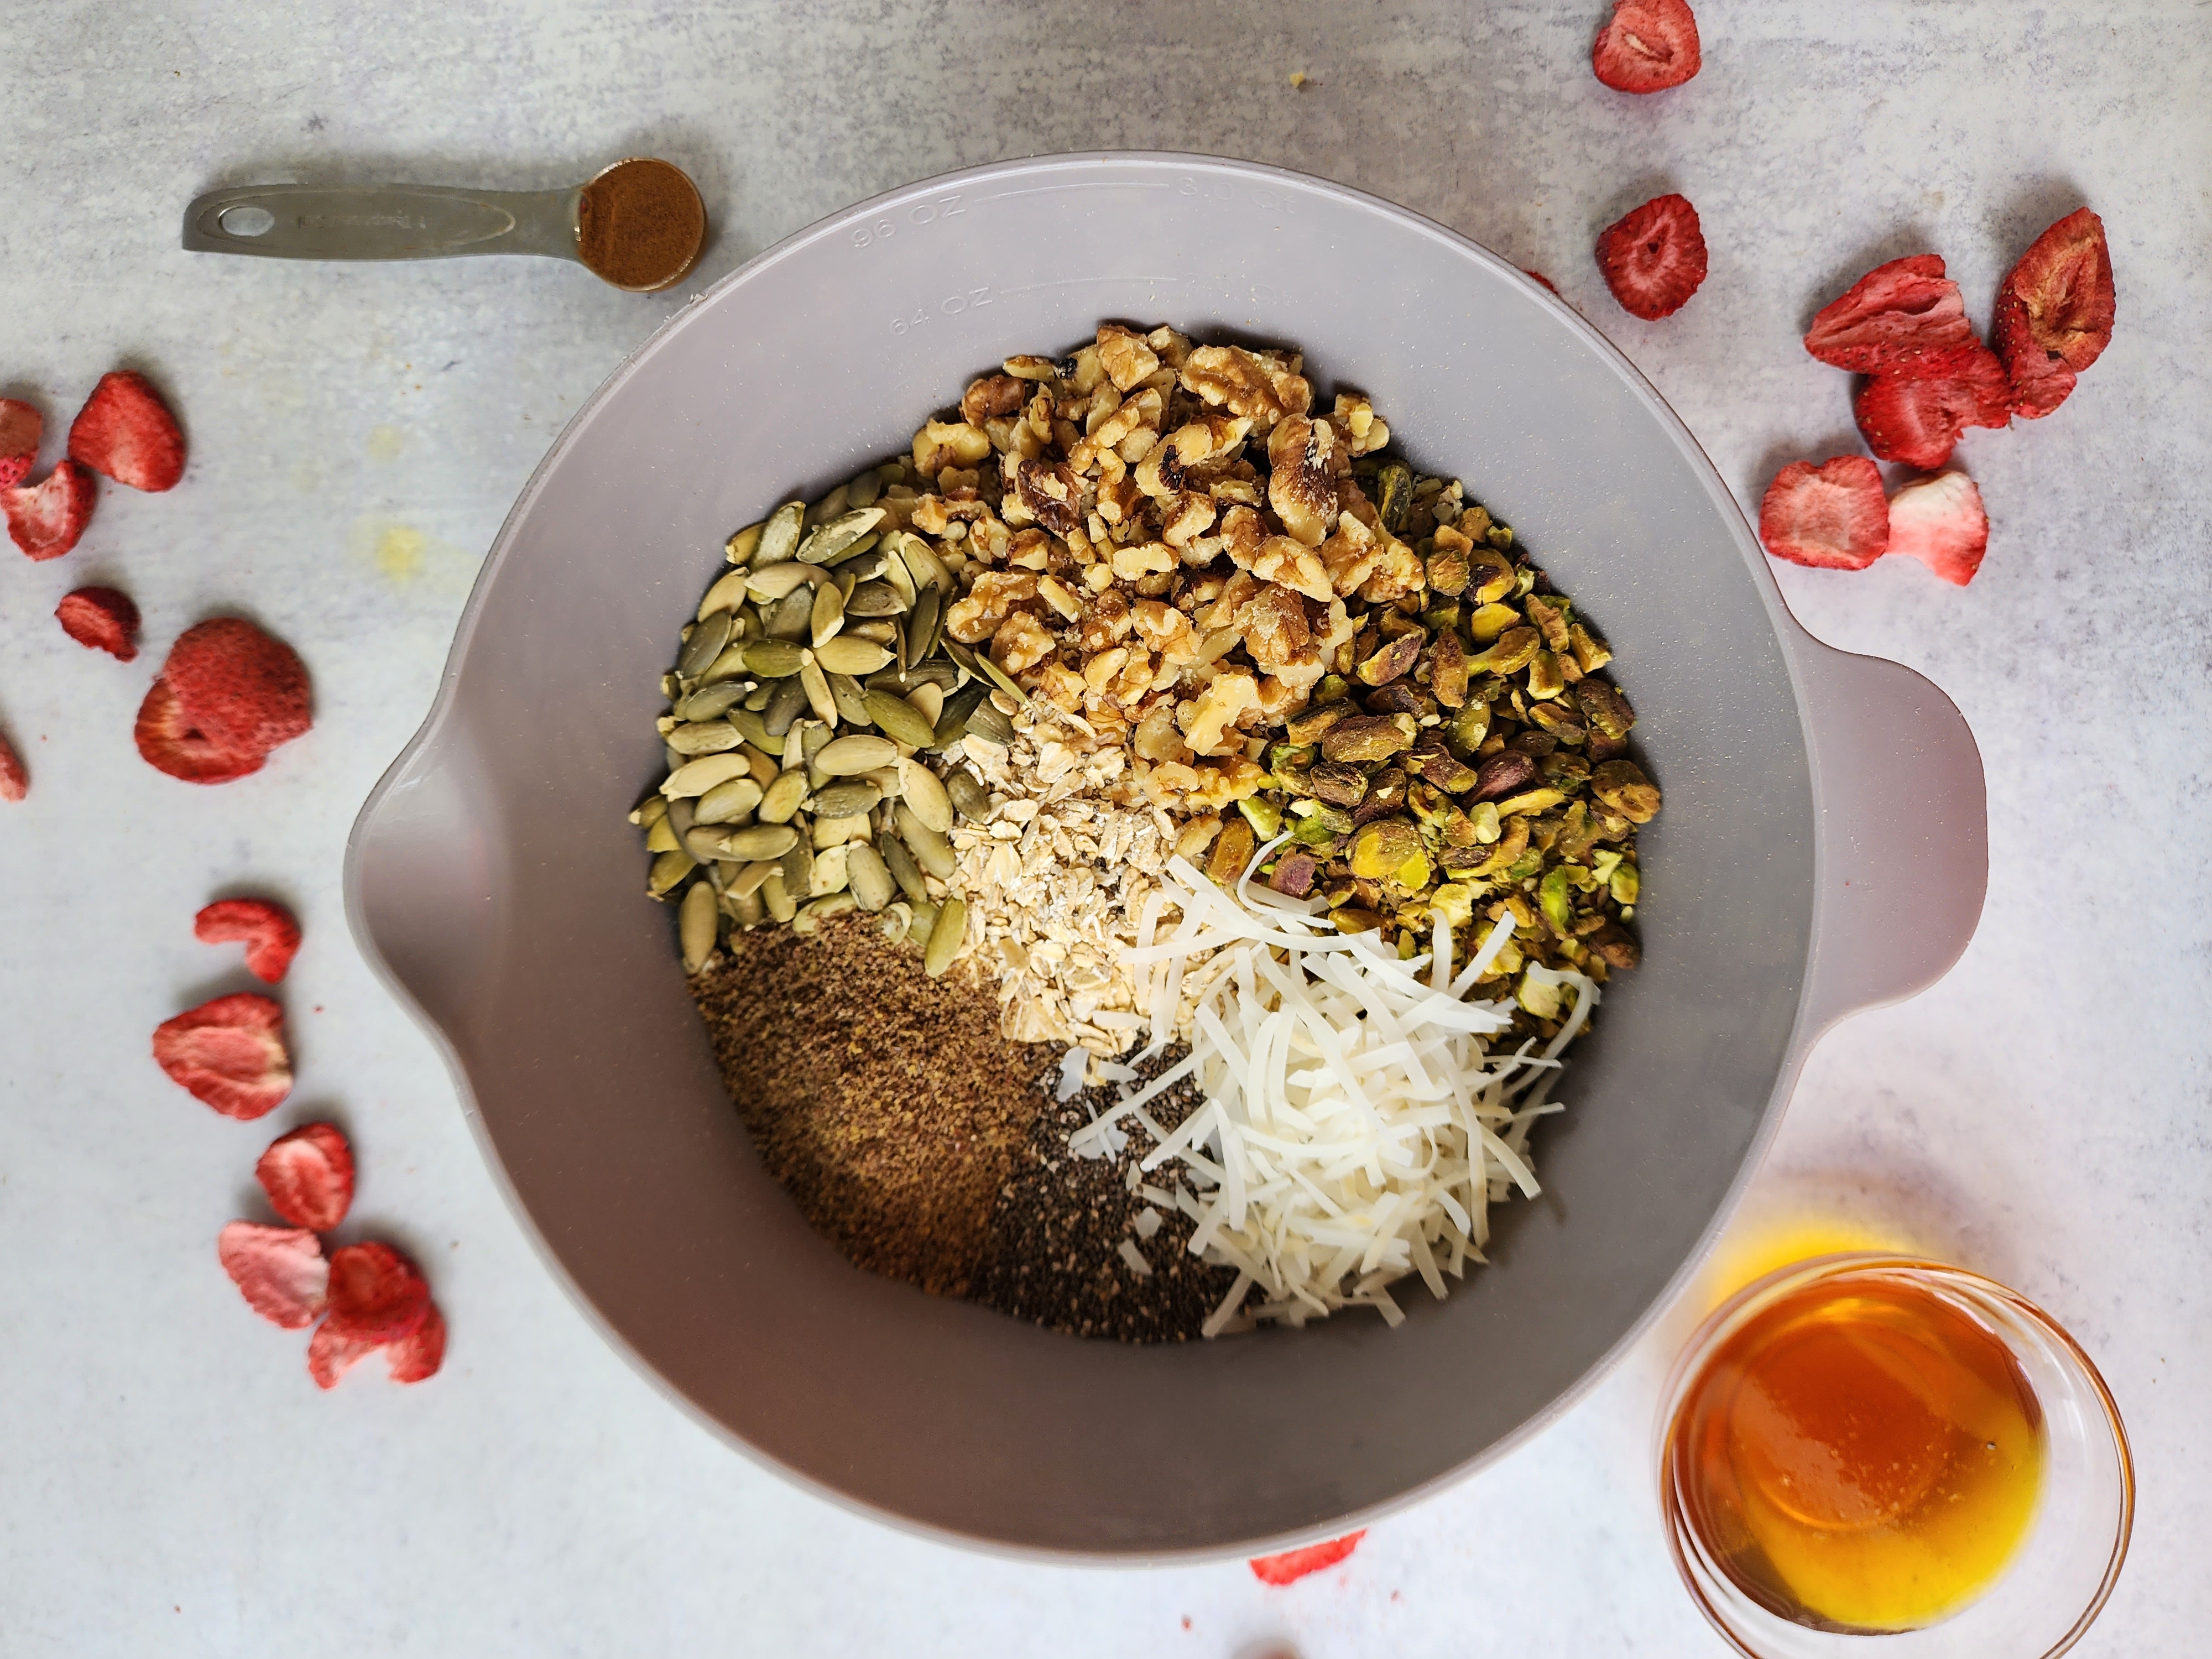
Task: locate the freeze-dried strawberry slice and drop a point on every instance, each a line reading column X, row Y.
column 45, row 520
column 330, row 1356
column 1654, row 257
column 20, row 428
column 414, row 1358
column 309, row 1176
column 1940, row 522
column 244, row 689
column 101, row 618
column 272, row 937
column 2055, row 312
column 229, row 1052
column 1293, row 1565
column 1650, row 46
column 1527, row 271
column 15, row 781
column 1917, row 418
column 126, row 432
column 172, row 744
column 1832, row 516
column 280, row 1271
column 376, row 1294
column 1904, row 317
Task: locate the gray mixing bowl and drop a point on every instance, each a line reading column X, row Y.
column 1822, row 850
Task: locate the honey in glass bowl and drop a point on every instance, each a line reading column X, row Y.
column 1859, row 1456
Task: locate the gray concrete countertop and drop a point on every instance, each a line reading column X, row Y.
column 172, row 1482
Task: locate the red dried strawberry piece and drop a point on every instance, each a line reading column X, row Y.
column 376, row 1294
column 1904, row 317
column 47, row 520
column 1832, row 516
column 244, row 689
column 1650, row 46
column 330, row 1356
column 126, row 432
column 414, row 1358
column 1654, row 258
column 1540, row 276
column 280, row 1271
column 229, row 1052
column 172, row 744
column 1293, row 1565
column 15, row 781
column 1940, row 522
column 102, row 618
column 2055, row 312
column 20, row 429
column 309, row 1176
column 272, row 937
column 1917, row 418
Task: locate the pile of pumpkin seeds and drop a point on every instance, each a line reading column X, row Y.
column 812, row 700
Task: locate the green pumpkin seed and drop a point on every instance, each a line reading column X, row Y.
column 816, row 685
column 848, row 800
column 921, row 626
column 922, row 564
column 705, row 738
column 706, row 643
column 660, row 837
column 773, row 659
column 667, row 870
column 741, row 547
column 792, row 618
column 853, row 656
column 959, row 706
column 930, row 849
column 785, row 707
column 852, row 700
column 779, row 536
column 859, row 549
column 727, row 666
column 924, row 796
column 778, row 582
column 990, row 724
column 650, row 811
column 846, row 757
column 727, row 593
column 922, row 928
column 904, row 871
column 865, row 874
column 899, row 720
column 697, row 926
column 777, row 897
column 864, row 489
column 827, row 614
column 820, row 910
column 896, row 919
column 897, row 577
column 712, row 702
column 827, row 540
column 755, row 731
column 748, row 880
column 968, row 796
column 726, row 803
column 829, row 873
column 696, row 777
column 797, row 868
column 704, row 843
column 780, row 802
column 944, row 937
column 876, row 599
column 746, row 910
column 759, row 841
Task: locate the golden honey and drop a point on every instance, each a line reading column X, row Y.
column 1859, row 1455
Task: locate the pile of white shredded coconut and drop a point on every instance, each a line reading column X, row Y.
column 1356, row 1126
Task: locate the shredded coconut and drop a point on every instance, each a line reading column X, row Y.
column 1356, row 1126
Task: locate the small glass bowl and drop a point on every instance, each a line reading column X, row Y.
column 2057, row 1580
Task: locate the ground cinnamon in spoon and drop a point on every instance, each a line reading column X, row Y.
column 640, row 224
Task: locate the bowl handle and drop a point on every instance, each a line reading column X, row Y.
column 1903, row 859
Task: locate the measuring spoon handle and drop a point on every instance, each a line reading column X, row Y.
column 381, row 221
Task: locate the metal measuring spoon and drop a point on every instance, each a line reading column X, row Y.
column 638, row 225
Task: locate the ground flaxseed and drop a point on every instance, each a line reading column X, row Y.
column 885, row 1101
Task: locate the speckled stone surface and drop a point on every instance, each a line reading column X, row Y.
column 174, row 1484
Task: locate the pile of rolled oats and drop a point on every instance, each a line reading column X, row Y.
column 1139, row 600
